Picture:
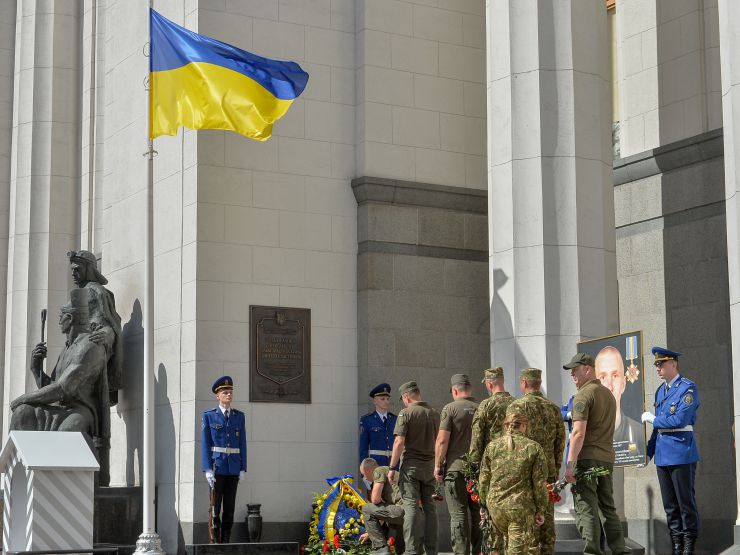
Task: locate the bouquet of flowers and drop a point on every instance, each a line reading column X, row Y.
column 554, row 489
column 336, row 521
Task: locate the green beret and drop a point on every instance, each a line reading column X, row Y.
column 493, row 374
column 531, row 374
column 460, row 379
column 407, row 387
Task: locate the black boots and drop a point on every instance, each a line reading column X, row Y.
column 688, row 545
column 225, row 535
column 677, row 542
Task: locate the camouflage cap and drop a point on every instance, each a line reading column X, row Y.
column 407, row 387
column 579, row 358
column 493, row 374
column 460, row 379
column 531, row 374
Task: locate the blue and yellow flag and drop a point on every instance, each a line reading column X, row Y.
column 203, row 83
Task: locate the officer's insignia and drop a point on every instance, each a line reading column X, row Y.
column 688, row 399
column 237, row 433
column 673, row 409
column 632, row 373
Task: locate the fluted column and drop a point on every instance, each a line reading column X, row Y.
column 552, row 246
column 44, row 178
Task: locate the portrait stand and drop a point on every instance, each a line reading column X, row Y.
column 48, row 485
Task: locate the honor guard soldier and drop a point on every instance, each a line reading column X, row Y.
column 674, row 448
column 376, row 428
column 223, row 456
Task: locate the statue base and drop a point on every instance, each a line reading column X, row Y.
column 119, row 512
column 266, row 548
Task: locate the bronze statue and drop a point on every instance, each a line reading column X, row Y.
column 105, row 323
column 75, row 396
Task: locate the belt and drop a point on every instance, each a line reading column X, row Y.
column 688, row 428
column 227, row 450
column 378, row 452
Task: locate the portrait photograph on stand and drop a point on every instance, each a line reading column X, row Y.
column 619, row 366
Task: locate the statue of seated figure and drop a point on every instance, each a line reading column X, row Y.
column 74, row 398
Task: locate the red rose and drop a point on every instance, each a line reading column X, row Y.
column 326, row 546
column 336, row 541
column 391, row 541
column 302, row 549
column 474, row 498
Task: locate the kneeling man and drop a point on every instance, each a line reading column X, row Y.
column 385, row 505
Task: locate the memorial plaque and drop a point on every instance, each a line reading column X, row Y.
column 280, row 354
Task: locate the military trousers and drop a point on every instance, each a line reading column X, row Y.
column 374, row 514
column 464, row 530
column 547, row 530
column 520, row 533
column 223, row 506
column 591, row 497
column 677, row 492
column 416, row 481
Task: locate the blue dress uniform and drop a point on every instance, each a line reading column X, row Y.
column 674, row 448
column 376, row 435
column 223, row 452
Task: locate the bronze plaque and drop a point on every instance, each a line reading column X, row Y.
column 280, row 354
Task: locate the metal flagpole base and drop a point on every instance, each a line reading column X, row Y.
column 149, row 543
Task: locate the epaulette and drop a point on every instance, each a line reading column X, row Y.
column 211, row 410
column 237, row 411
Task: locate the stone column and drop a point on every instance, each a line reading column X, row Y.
column 44, row 169
column 552, row 247
column 729, row 18
column 7, row 62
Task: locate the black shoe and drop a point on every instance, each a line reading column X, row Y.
column 225, row 535
column 688, row 545
column 677, row 542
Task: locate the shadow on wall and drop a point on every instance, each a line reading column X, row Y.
column 167, row 469
column 129, row 406
column 502, row 332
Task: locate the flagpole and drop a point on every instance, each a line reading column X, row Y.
column 149, row 541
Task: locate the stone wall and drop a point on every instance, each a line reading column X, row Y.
column 422, row 286
column 672, row 272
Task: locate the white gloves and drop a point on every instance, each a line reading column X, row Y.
column 210, row 478
column 241, row 475
column 648, row 417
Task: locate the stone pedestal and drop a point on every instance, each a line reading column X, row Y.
column 118, row 515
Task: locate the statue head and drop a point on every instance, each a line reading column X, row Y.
column 75, row 312
column 85, row 268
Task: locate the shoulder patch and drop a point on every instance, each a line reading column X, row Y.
column 688, row 399
column 579, row 406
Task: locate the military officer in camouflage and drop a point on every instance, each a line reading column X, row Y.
column 453, row 442
column 546, row 428
column 384, row 505
column 489, row 416
column 415, row 433
column 513, row 485
column 488, row 423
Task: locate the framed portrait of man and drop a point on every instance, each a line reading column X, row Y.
column 619, row 366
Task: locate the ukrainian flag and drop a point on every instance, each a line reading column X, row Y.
column 202, row 83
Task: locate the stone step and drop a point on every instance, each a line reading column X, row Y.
column 264, row 548
column 566, row 546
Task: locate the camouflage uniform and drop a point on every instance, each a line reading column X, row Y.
column 513, row 485
column 487, row 425
column 488, row 422
column 546, row 428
